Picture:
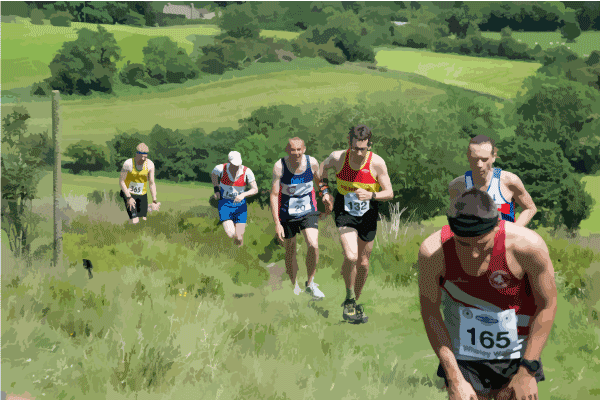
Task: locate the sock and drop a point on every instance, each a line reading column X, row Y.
column 349, row 294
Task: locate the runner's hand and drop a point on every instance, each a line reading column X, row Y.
column 328, row 202
column 280, row 233
column 238, row 198
column 155, row 206
column 131, row 203
column 218, row 196
column 363, row 194
column 462, row 391
column 521, row 386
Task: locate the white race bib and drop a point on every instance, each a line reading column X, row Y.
column 299, row 205
column 230, row 194
column 487, row 335
column 136, row 187
column 354, row 206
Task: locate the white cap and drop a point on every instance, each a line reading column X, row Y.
column 235, row 158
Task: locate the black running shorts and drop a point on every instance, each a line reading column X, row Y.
column 488, row 375
column 365, row 225
column 141, row 205
column 293, row 226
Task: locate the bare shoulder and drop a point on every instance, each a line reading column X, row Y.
column 337, row 154
column 509, row 177
column 378, row 160
column 431, row 245
column 314, row 162
column 277, row 168
column 524, row 241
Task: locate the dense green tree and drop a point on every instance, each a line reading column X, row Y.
column 557, row 109
column 167, row 62
column 85, row 64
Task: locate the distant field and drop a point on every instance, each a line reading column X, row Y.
column 592, row 224
column 224, row 102
column 28, row 49
column 178, row 196
column 584, row 44
column 279, row 34
column 498, row 77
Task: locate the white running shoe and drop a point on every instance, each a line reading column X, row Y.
column 297, row 289
column 313, row 290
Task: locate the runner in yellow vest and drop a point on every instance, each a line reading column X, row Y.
column 136, row 177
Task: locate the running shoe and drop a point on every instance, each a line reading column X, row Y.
column 313, row 290
column 360, row 312
column 297, row 289
column 349, row 310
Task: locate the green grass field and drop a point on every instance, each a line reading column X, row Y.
column 584, row 44
column 502, row 78
column 592, row 224
column 279, row 34
column 173, row 306
column 176, row 196
column 24, row 65
column 223, row 101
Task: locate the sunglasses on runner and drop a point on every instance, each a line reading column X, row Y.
column 141, row 152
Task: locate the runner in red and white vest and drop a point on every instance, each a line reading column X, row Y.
column 494, row 282
column 230, row 181
column 505, row 187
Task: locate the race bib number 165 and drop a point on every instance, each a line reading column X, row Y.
column 487, row 335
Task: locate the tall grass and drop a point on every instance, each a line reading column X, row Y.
column 175, row 310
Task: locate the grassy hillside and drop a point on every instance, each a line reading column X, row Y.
column 217, row 101
column 28, row 49
column 583, row 46
column 173, row 307
column 502, row 78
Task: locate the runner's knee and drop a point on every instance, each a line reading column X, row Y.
column 351, row 257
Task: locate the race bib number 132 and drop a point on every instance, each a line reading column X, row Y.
column 354, row 206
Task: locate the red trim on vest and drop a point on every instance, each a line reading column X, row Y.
column 509, row 293
column 363, row 175
column 241, row 181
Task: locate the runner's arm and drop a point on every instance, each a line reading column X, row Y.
column 522, row 198
column 152, row 183
column 430, row 296
column 533, row 256
column 275, row 187
column 214, row 178
column 314, row 165
column 122, row 177
column 328, row 163
column 253, row 189
column 386, row 193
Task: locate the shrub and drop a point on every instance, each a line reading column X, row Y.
column 167, row 62
column 136, row 75
column 513, row 50
column 87, row 156
column 37, row 17
column 570, row 31
column 61, row 18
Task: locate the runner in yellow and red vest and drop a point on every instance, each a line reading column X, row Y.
column 362, row 181
column 137, row 176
